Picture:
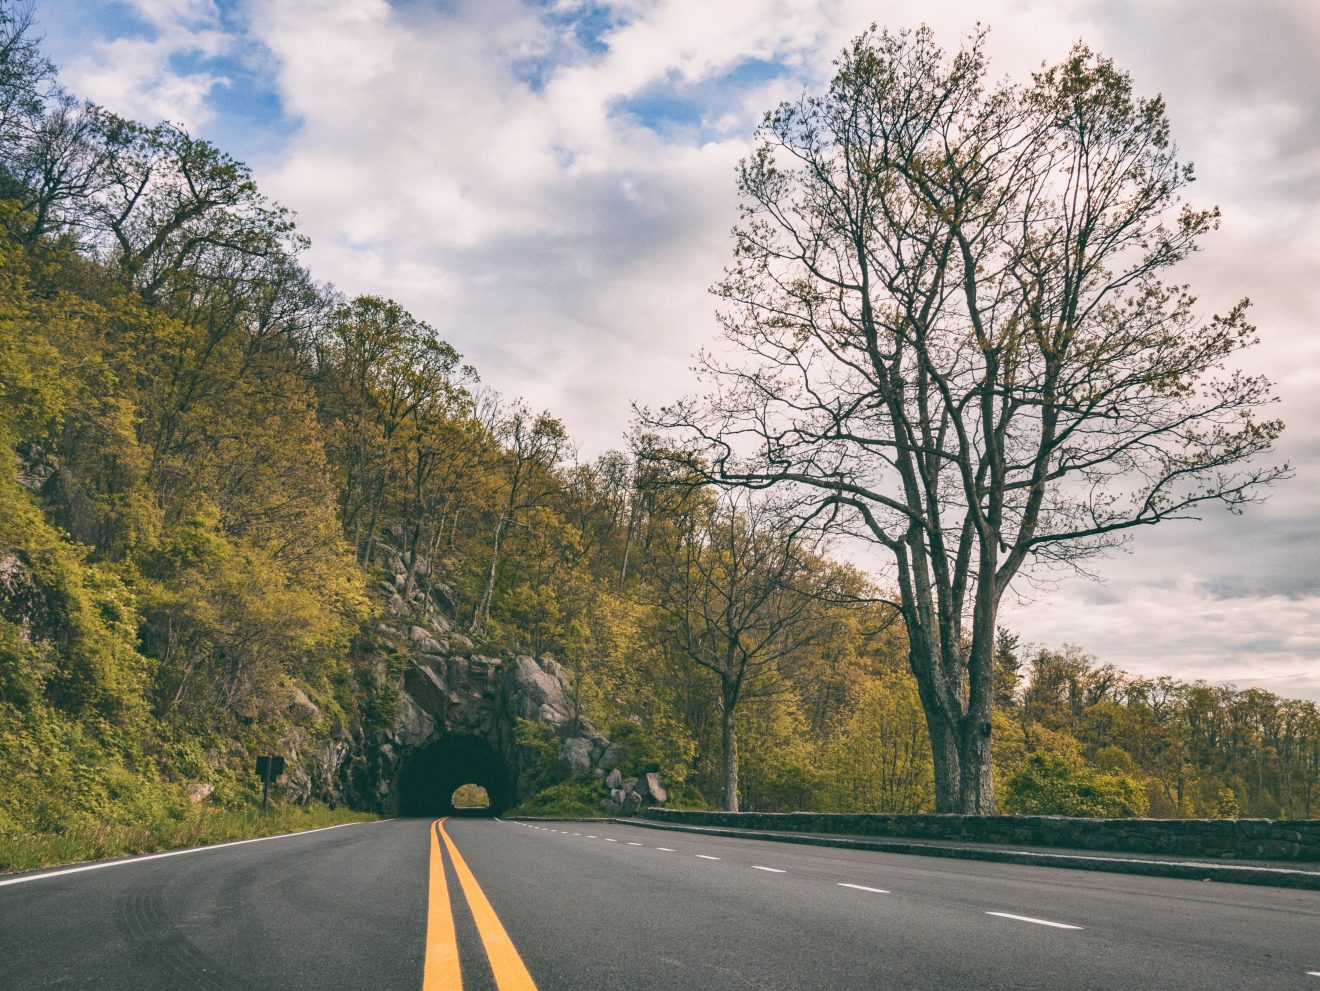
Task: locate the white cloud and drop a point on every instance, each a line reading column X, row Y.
column 135, row 76
column 1182, row 628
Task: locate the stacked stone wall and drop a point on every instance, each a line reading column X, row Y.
column 1247, row 839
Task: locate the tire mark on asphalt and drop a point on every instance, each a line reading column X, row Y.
column 158, row 944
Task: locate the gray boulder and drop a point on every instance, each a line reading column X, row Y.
column 199, row 791
column 534, row 693
column 632, row 802
column 302, row 709
column 575, row 756
column 413, row 727
column 655, row 789
column 629, row 784
column 614, row 779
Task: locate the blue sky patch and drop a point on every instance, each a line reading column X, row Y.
column 754, row 72
column 673, row 107
column 663, row 108
column 247, row 118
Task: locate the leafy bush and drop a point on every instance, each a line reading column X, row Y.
column 577, row 798
column 540, row 749
column 1056, row 784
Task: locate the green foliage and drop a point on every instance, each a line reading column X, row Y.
column 540, row 747
column 577, row 798
column 1053, row 784
column 22, row 850
column 880, row 760
column 471, row 797
column 1226, row 805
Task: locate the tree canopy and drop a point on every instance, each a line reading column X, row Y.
column 953, row 328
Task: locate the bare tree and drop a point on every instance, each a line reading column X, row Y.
column 739, row 584
column 958, row 337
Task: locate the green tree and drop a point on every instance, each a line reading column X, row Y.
column 880, row 761
column 1053, row 784
column 739, row 585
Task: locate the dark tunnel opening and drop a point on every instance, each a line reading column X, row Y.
column 429, row 778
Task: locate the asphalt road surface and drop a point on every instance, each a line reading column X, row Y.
column 485, row 904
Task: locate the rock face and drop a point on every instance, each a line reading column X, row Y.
column 459, row 708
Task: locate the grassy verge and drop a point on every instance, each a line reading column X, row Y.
column 576, row 798
column 21, row 852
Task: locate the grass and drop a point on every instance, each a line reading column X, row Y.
column 21, row 852
column 576, row 798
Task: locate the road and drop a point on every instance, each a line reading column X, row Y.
column 513, row 906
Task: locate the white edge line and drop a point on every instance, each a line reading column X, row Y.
column 706, row 856
column 1027, row 918
column 173, row 853
column 772, row 870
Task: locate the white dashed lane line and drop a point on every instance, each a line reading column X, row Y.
column 666, row 849
column 706, row 856
column 862, row 887
column 1038, row 922
column 610, row 839
column 771, row 870
column 631, row 843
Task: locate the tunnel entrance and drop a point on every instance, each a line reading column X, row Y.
column 430, row 777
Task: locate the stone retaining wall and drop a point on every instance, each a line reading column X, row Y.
column 1247, row 839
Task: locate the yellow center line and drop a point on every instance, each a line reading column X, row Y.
column 505, row 963
column 440, row 971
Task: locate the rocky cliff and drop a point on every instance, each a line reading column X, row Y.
column 458, row 710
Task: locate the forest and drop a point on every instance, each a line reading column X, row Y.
column 206, row 447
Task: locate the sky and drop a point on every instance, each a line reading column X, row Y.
column 551, row 185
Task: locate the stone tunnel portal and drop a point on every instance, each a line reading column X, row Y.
column 429, row 777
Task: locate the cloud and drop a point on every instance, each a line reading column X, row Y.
column 1184, row 628
column 160, row 71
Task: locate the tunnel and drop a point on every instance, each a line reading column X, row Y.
column 430, row 776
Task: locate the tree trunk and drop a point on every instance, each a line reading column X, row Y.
column 730, row 751
column 976, row 786
column 976, row 779
column 944, row 750
column 945, row 760
column 370, row 549
column 482, row 614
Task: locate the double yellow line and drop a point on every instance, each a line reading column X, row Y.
column 441, row 970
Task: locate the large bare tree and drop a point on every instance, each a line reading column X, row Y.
column 954, row 330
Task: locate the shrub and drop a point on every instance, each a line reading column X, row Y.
column 577, row 798
column 1055, row 784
